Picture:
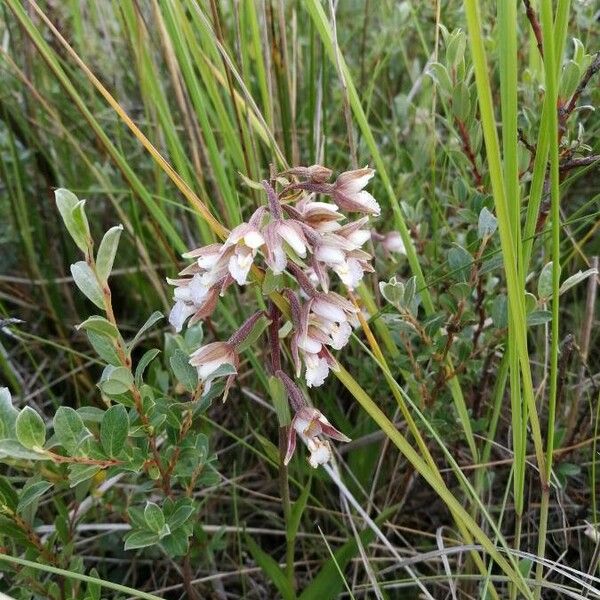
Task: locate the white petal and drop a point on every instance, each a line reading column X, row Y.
column 359, row 237
column 300, row 424
column 317, row 370
column 279, row 260
column 340, row 335
column 326, row 226
column 368, row 202
column 329, row 311
column 208, row 261
column 350, row 273
column 320, row 206
column 309, row 344
column 320, row 454
column 393, row 243
column 198, row 289
column 239, row 267
column 352, row 184
column 291, row 236
column 183, row 293
column 180, row 312
column 206, row 369
column 254, row 240
column 329, row 254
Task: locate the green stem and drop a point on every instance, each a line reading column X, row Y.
column 287, row 507
column 551, row 125
column 432, row 479
column 86, row 578
column 516, row 299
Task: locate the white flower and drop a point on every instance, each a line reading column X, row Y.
column 320, row 452
column 320, row 216
column 210, row 358
column 309, row 423
column 347, row 192
column 239, row 251
column 333, row 307
column 276, row 233
column 392, row 242
column 350, row 272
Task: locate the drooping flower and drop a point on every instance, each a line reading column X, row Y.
column 209, row 359
column 310, row 424
column 333, row 307
column 321, row 216
column 276, row 233
column 341, row 252
column 348, row 193
column 324, row 320
column 239, row 251
column 185, row 306
column 198, row 287
column 392, row 242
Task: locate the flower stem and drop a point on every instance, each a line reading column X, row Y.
column 287, row 507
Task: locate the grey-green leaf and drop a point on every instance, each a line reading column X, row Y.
column 8, row 414
column 539, row 317
column 184, row 372
column 154, row 517
column 31, row 493
column 487, row 223
column 12, row 449
column 80, row 473
column 70, row 429
column 143, row 363
column 66, row 201
column 459, row 261
column 114, row 430
column 119, row 381
column 88, row 284
column 180, row 516
column 100, row 325
column 30, row 429
column 545, row 282
column 140, row 539
column 107, row 251
column 150, row 321
column 577, row 278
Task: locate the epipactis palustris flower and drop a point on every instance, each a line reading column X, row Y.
column 209, row 358
column 197, row 290
column 239, row 251
column 348, row 193
column 392, row 242
column 310, row 424
column 276, row 233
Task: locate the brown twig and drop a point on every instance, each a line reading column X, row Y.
column 594, row 67
column 81, row 460
column 579, row 162
column 535, row 25
column 468, row 150
column 532, row 149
